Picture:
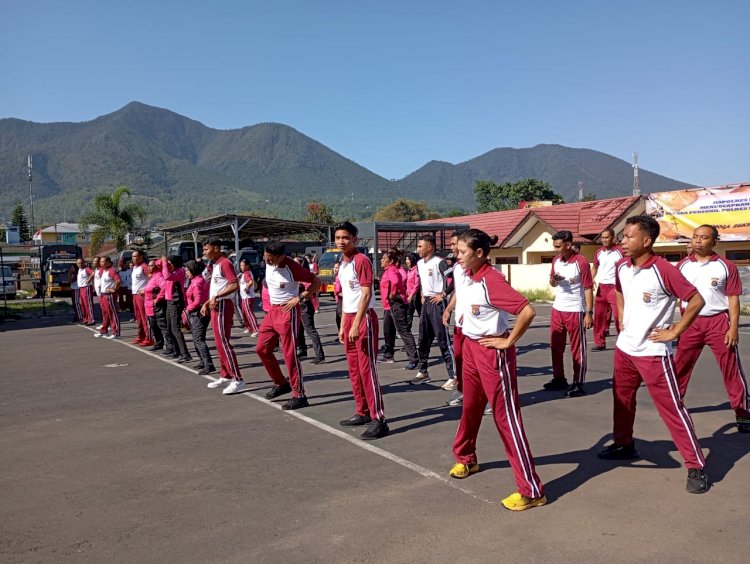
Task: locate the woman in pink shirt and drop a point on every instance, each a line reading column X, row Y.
column 393, row 297
column 153, row 294
column 174, row 290
column 197, row 295
column 412, row 288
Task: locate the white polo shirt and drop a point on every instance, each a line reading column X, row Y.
column 222, row 275
column 139, row 278
column 605, row 261
column 107, row 280
column 83, row 276
column 650, row 292
column 460, row 280
column 489, row 299
column 716, row 279
column 430, row 277
column 569, row 292
column 98, row 281
column 246, row 278
column 283, row 280
column 354, row 274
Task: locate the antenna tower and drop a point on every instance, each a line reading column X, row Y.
column 636, row 182
column 580, row 190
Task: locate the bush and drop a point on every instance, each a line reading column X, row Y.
column 538, row 295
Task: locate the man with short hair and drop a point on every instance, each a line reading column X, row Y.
column 435, row 288
column 603, row 273
column 281, row 324
column 646, row 289
column 456, row 304
column 109, row 283
column 220, row 304
column 717, row 324
column 85, row 276
column 571, row 314
column 139, row 279
column 359, row 334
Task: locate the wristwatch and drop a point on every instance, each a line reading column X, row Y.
column 590, row 312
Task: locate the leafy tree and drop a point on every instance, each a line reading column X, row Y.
column 405, row 210
column 588, row 198
column 494, row 197
column 113, row 218
column 318, row 212
column 18, row 217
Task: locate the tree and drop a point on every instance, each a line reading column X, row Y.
column 494, row 197
column 318, row 212
column 113, row 218
column 18, row 218
column 405, row 210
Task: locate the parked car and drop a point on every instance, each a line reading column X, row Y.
column 8, row 283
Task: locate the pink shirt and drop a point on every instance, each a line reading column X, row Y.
column 392, row 284
column 412, row 282
column 265, row 298
column 177, row 276
column 154, row 283
column 197, row 293
column 337, row 289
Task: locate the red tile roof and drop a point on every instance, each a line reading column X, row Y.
column 584, row 219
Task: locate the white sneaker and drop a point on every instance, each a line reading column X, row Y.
column 110, row 337
column 246, row 331
column 488, row 410
column 450, row 384
column 234, row 388
column 97, row 335
column 99, row 326
column 220, row 383
column 254, row 334
column 422, row 378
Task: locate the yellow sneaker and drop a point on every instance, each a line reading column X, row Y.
column 461, row 470
column 518, row 502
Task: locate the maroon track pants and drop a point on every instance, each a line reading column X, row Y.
column 711, row 330
column 568, row 324
column 605, row 308
column 279, row 325
column 489, row 375
column 110, row 317
column 361, row 356
column 221, row 324
column 658, row 372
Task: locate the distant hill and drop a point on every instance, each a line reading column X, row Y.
column 180, row 169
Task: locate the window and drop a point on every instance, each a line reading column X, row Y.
column 741, row 256
column 548, row 259
column 674, row 256
column 506, row 260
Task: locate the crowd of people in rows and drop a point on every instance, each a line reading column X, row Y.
column 628, row 283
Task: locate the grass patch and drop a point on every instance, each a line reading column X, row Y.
column 745, row 310
column 22, row 309
column 538, row 295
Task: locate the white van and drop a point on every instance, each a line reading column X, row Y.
column 7, row 283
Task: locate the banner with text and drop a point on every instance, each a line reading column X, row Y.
column 725, row 207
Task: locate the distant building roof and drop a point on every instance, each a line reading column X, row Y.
column 64, row 227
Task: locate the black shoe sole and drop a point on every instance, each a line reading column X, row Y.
column 273, row 394
column 289, row 406
column 379, row 435
column 348, row 423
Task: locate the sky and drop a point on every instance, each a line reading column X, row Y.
column 393, row 85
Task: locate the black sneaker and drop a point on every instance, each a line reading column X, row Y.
column 556, row 385
column 295, row 403
column 697, row 481
column 277, row 391
column 155, row 348
column 743, row 425
column 301, row 355
column 168, row 354
column 184, row 359
column 199, row 366
column 575, row 391
column 375, row 430
column 206, row 370
column 411, row 366
column 619, row 452
column 599, row 348
column 318, row 361
column 355, row 420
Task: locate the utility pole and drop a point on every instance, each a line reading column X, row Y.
column 31, row 198
column 580, row 190
column 636, row 182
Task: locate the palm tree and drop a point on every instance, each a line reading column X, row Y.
column 113, row 218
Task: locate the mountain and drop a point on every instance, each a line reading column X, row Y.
column 179, row 168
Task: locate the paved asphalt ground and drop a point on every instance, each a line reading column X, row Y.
column 110, row 454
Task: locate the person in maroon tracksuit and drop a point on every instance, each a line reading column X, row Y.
column 717, row 324
column 647, row 288
column 86, row 291
column 138, row 281
column 572, row 314
column 221, row 294
column 603, row 272
column 109, row 284
column 489, row 368
column 282, row 322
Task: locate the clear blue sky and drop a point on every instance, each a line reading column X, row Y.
column 394, row 84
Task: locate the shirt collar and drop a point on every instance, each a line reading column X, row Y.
column 476, row 277
column 694, row 258
column 649, row 262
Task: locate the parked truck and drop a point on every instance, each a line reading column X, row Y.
column 51, row 264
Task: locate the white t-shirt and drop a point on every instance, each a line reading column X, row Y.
column 139, row 277
column 716, row 279
column 650, row 292
column 98, row 281
column 430, row 277
column 570, row 292
column 222, row 275
column 107, row 280
column 246, row 279
column 605, row 261
column 460, row 280
column 83, row 276
column 354, row 273
column 283, row 281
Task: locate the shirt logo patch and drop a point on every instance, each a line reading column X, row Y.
column 282, row 285
column 475, row 310
column 429, row 272
column 647, row 297
column 351, row 284
column 714, row 282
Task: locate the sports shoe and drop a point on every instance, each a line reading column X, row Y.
column 199, row 366
column 421, row 378
column 518, row 502
column 619, row 452
column 599, row 348
column 450, row 384
column 355, row 420
column 302, row 355
column 234, row 388
column 254, row 334
column 99, row 326
column 110, row 337
column 461, row 470
column 318, row 361
column 97, row 335
column 697, row 481
column 556, row 385
column 295, row 403
column 184, row 359
column 206, row 370
column 146, row 343
column 575, row 391
column 488, row 410
column 386, row 360
column 743, row 425
column 220, row 383
column 277, row 391
column 155, row 348
column 456, row 398
column 411, row 366
column 135, row 341
column 246, row 331
column 376, row 429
